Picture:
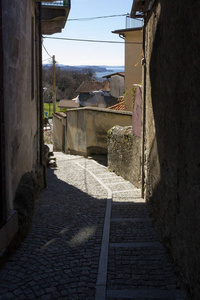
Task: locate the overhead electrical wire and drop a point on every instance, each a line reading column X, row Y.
column 46, row 50
column 46, row 59
column 94, row 18
column 91, row 41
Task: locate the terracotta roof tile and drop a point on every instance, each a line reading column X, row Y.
column 118, row 106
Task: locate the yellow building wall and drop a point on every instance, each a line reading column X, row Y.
column 133, row 67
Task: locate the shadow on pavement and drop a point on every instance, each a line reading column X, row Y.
column 60, row 256
column 101, row 159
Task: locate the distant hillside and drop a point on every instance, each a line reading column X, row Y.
column 85, row 68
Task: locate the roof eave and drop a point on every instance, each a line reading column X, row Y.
column 122, row 31
column 113, row 74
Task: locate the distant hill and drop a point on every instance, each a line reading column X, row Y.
column 85, row 68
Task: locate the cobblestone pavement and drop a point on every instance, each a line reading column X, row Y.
column 91, row 239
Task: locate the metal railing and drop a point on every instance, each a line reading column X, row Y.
column 60, row 3
column 134, row 23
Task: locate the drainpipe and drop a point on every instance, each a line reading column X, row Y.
column 2, row 130
column 41, row 96
column 144, row 111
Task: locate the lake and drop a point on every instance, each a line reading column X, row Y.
column 111, row 70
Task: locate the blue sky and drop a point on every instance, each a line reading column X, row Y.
column 84, row 53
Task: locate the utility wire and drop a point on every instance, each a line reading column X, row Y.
column 46, row 59
column 91, row 41
column 46, row 51
column 94, row 18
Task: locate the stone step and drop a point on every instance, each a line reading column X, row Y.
column 52, row 158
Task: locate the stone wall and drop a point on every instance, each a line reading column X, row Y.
column 124, row 154
column 19, row 222
column 172, row 131
column 24, row 202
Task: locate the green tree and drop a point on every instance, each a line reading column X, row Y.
column 66, row 82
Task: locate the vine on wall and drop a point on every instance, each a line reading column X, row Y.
column 132, row 90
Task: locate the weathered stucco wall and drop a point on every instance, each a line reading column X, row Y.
column 76, row 136
column 21, row 120
column 57, row 133
column 59, row 123
column 21, row 115
column 124, row 154
column 116, row 86
column 87, row 129
column 172, row 131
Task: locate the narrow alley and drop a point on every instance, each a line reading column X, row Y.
column 91, row 238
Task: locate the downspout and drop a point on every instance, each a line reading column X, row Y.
column 41, row 96
column 144, row 112
column 2, row 137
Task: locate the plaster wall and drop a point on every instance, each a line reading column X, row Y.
column 116, row 86
column 172, row 130
column 87, row 129
column 21, row 121
column 76, row 136
column 58, row 130
column 133, row 68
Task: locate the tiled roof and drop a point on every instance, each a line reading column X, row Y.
column 90, row 86
column 118, row 106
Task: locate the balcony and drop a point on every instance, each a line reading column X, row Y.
column 54, row 16
column 133, row 23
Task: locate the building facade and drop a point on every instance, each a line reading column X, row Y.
column 116, row 84
column 171, row 128
column 22, row 137
column 21, row 104
column 133, row 56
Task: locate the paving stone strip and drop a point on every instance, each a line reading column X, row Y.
column 103, row 260
column 147, row 286
column 91, row 238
